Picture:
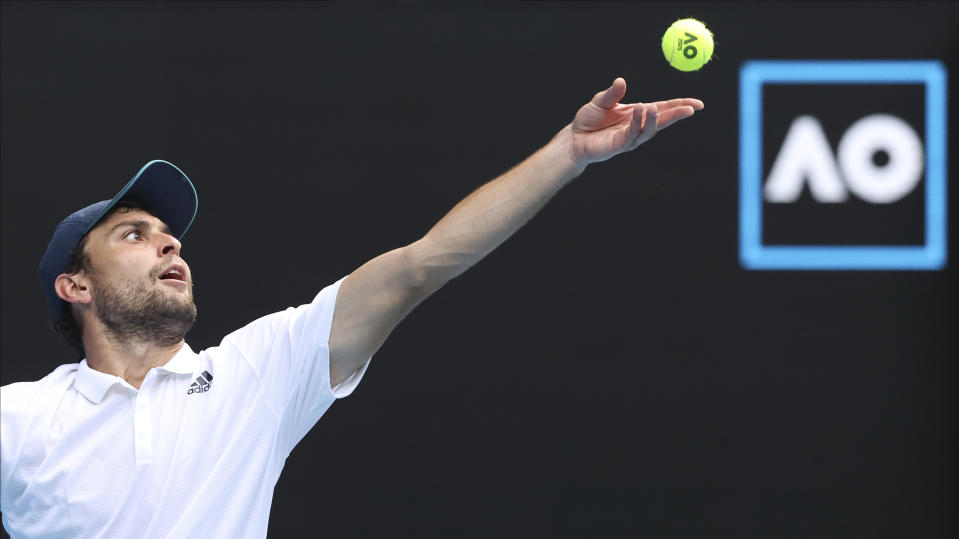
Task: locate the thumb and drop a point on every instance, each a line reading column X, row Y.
column 609, row 97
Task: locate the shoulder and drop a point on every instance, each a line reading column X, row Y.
column 63, row 374
column 307, row 322
column 21, row 400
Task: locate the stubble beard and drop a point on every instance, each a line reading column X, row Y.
column 133, row 313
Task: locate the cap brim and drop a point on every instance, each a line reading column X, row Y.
column 166, row 190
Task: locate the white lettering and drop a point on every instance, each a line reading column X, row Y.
column 891, row 181
column 805, row 156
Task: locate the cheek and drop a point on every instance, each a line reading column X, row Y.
column 134, row 267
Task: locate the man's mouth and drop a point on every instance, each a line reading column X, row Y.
column 175, row 272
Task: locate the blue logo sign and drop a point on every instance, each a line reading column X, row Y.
column 878, row 202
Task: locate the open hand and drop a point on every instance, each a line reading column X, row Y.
column 605, row 127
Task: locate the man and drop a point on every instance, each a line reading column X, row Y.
column 145, row 437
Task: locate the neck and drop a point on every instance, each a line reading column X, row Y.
column 129, row 359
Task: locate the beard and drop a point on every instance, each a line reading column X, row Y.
column 133, row 312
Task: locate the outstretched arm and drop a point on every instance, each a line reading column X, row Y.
column 378, row 295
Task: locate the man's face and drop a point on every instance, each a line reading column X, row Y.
column 142, row 290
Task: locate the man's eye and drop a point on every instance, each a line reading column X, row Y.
column 132, row 235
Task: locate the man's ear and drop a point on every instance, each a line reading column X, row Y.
column 73, row 288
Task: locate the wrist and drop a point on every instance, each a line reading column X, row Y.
column 571, row 162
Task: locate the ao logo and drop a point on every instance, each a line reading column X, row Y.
column 805, row 156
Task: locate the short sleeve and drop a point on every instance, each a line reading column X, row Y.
column 289, row 352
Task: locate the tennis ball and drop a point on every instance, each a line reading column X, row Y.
column 687, row 45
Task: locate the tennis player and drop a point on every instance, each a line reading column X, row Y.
column 145, row 437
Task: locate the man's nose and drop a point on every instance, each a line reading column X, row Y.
column 169, row 245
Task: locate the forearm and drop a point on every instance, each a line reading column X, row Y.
column 492, row 213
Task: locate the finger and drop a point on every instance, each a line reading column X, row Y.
column 651, row 125
column 671, row 116
column 610, row 96
column 696, row 104
column 643, row 125
column 635, row 129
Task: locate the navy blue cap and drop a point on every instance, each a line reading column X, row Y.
column 159, row 185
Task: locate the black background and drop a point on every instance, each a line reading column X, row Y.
column 610, row 371
column 855, row 221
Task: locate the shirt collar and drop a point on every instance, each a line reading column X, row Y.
column 184, row 362
column 94, row 384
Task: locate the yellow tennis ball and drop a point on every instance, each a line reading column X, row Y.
column 687, row 45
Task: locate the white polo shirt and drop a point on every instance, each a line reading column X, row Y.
column 195, row 452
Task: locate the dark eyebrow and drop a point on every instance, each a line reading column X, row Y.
column 140, row 223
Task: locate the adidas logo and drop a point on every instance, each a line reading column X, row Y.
column 201, row 384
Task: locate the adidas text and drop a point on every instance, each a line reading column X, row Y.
column 201, row 384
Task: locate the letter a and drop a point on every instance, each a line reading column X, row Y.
column 805, row 156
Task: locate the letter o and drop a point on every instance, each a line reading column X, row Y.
column 895, row 179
